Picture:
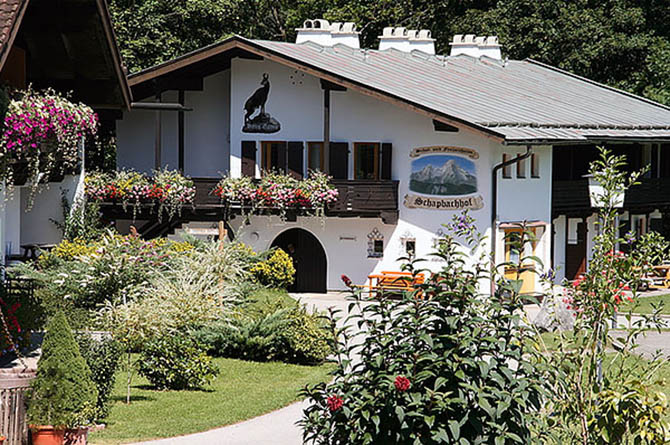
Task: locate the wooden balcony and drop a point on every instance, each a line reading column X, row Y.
column 572, row 197
column 357, row 198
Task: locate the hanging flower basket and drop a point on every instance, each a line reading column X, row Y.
column 41, row 136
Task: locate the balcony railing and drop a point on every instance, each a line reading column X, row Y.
column 362, row 198
column 572, row 197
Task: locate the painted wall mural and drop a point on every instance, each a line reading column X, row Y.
column 261, row 122
column 443, row 172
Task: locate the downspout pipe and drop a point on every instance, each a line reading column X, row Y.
column 494, row 200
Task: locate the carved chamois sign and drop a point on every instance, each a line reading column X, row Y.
column 261, row 122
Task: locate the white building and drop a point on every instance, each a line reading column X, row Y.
column 68, row 46
column 414, row 137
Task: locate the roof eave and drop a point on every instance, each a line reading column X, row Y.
column 7, row 46
column 240, row 42
column 108, row 29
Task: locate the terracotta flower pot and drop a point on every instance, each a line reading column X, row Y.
column 76, row 436
column 2, row 439
column 46, row 435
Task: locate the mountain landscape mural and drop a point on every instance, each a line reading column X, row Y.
column 443, row 175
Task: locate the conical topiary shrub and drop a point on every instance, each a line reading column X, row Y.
column 63, row 393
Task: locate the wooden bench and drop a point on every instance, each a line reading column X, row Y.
column 390, row 282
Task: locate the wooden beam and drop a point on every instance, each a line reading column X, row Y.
column 158, row 143
column 180, row 132
column 181, row 62
column 331, row 86
column 326, row 130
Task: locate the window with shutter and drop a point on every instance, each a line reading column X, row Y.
column 295, row 158
column 366, row 160
column 386, row 161
column 315, row 158
column 249, row 158
column 338, row 155
column 273, row 157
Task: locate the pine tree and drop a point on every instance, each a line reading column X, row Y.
column 63, row 393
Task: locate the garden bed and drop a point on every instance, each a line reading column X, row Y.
column 243, row 390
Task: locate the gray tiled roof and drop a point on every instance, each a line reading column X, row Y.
column 10, row 11
column 521, row 100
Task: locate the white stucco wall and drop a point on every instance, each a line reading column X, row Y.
column 12, row 222
column 206, row 132
column 35, row 225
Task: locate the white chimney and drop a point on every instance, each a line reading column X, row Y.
column 345, row 34
column 396, row 38
column 317, row 31
column 490, row 47
column 475, row 46
column 321, row 32
column 421, row 41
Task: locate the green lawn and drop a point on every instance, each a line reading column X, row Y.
column 643, row 305
column 241, row 391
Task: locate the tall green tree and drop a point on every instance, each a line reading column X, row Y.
column 623, row 43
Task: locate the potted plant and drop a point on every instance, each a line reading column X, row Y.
column 63, row 394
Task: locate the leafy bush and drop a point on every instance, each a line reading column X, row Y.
column 23, row 314
column 63, row 393
column 102, row 357
column 308, row 337
column 78, row 276
column 194, row 289
column 277, row 271
column 289, row 334
column 83, row 222
column 176, row 362
column 446, row 369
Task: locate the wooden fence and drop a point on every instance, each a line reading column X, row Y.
column 13, row 386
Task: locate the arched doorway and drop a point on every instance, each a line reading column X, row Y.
column 309, row 259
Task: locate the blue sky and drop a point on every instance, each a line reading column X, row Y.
column 439, row 160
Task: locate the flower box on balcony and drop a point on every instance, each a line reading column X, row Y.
column 168, row 191
column 278, row 192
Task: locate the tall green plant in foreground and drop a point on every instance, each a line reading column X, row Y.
column 442, row 365
column 598, row 397
column 63, row 394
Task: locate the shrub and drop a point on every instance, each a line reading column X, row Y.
column 446, row 369
column 308, row 337
column 22, row 313
column 277, row 271
column 102, row 357
column 176, row 362
column 63, row 393
column 290, row 334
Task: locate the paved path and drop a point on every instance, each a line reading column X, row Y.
column 275, row 428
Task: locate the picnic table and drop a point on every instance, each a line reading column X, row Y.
column 660, row 276
column 392, row 282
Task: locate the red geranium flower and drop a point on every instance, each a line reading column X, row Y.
column 346, row 280
column 334, row 403
column 401, row 383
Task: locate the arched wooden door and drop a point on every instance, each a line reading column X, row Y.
column 309, row 259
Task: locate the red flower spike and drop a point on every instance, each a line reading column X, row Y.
column 401, row 383
column 346, row 280
column 334, row 403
